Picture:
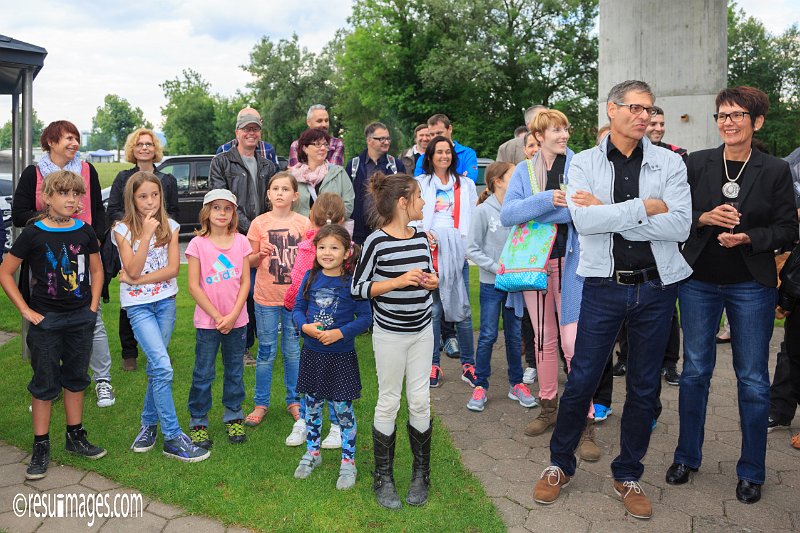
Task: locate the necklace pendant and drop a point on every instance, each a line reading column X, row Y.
column 731, row 189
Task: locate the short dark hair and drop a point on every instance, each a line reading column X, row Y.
column 308, row 137
column 658, row 110
column 55, row 130
column 520, row 130
column 437, row 118
column 750, row 98
column 372, row 126
column 420, row 127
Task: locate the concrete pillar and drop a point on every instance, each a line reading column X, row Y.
column 680, row 48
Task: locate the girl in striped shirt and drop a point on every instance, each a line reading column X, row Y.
column 395, row 270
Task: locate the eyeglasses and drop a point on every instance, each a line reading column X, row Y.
column 252, row 129
column 320, row 145
column 637, row 109
column 736, row 116
column 382, row 139
column 144, row 145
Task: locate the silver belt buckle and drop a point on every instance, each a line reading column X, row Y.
column 624, row 272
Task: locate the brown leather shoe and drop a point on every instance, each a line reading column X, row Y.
column 549, row 486
column 588, row 450
column 129, row 365
column 633, row 497
column 546, row 419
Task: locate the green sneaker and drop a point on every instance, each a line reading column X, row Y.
column 236, row 431
column 199, row 436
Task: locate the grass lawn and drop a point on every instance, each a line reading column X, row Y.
column 106, row 172
column 251, row 484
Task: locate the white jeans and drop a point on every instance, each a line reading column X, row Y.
column 399, row 355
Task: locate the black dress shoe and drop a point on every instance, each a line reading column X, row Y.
column 747, row 492
column 678, row 473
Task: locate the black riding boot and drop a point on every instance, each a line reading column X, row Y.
column 383, row 477
column 421, row 470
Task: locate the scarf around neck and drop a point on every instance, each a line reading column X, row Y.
column 46, row 165
column 304, row 174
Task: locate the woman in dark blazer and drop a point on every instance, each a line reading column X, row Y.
column 742, row 210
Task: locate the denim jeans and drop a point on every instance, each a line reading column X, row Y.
column 267, row 319
column 492, row 304
column 207, row 343
column 604, row 307
column 152, row 325
column 750, row 307
column 466, row 341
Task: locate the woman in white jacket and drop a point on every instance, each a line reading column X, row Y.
column 446, row 218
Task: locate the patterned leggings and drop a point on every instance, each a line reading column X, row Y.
column 347, row 421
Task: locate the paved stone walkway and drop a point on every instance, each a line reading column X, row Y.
column 508, row 463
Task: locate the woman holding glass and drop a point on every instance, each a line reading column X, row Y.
column 742, row 210
column 537, row 192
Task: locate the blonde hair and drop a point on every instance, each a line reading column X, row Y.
column 133, row 138
column 133, row 219
column 494, row 171
column 546, row 119
column 328, row 208
column 59, row 181
column 205, row 217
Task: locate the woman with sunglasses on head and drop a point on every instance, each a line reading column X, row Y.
column 742, row 210
column 316, row 175
column 142, row 148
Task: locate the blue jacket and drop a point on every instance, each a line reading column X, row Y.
column 466, row 162
column 361, row 207
column 663, row 176
column 521, row 206
column 266, row 149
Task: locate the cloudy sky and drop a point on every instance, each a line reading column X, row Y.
column 96, row 48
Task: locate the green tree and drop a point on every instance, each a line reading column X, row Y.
column 5, row 132
column 482, row 62
column 189, row 116
column 289, row 79
column 768, row 62
column 113, row 122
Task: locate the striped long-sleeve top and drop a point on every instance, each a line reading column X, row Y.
column 383, row 257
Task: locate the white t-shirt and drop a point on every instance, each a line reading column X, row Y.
column 157, row 258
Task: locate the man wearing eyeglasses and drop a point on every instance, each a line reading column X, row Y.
column 374, row 159
column 266, row 149
column 466, row 159
column 317, row 117
column 631, row 204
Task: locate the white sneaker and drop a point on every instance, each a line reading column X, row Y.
column 298, row 434
column 334, row 438
column 529, row 376
column 105, row 393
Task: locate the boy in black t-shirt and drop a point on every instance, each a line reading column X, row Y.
column 62, row 252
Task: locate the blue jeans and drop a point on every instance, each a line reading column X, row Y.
column 466, row 341
column 207, row 343
column 267, row 318
column 492, row 304
column 152, row 325
column 751, row 311
column 605, row 306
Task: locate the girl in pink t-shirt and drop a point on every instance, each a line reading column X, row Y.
column 217, row 258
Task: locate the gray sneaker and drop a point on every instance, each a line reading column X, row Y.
column 521, row 393
column 347, row 476
column 105, row 393
column 307, row 464
column 478, row 400
column 145, row 440
column 451, row 348
column 183, row 449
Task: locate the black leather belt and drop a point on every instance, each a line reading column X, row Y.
column 634, row 277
